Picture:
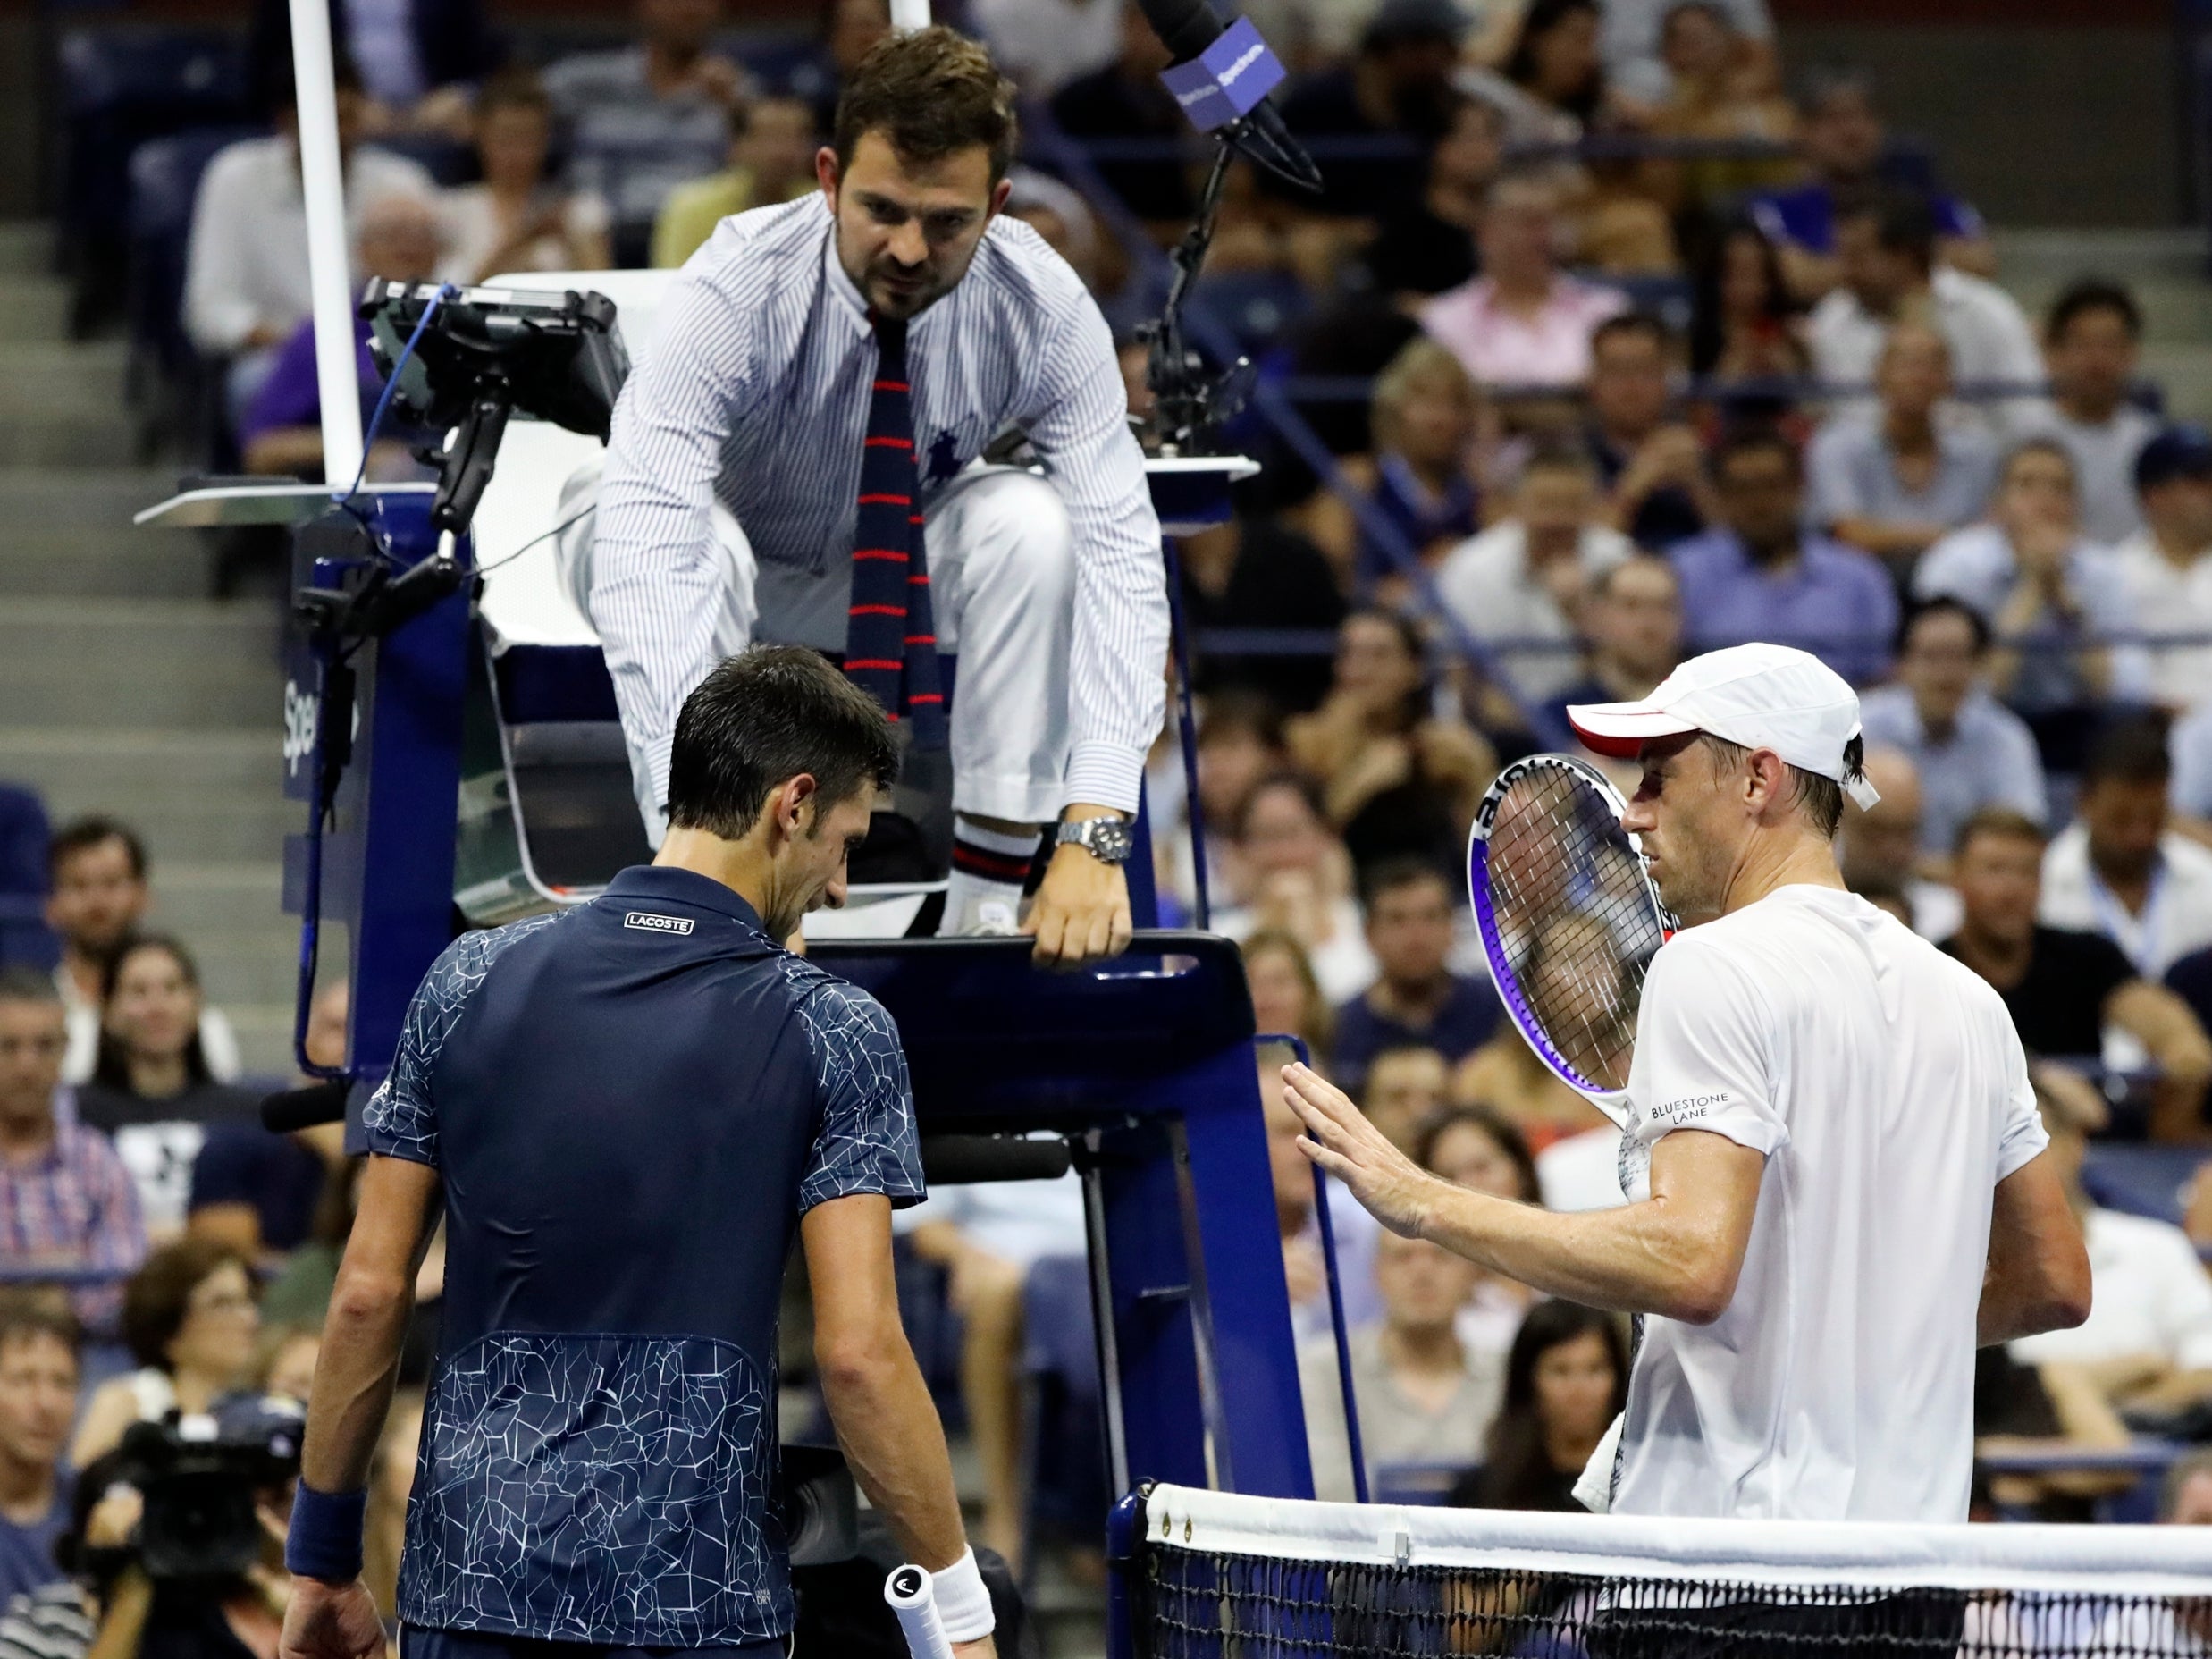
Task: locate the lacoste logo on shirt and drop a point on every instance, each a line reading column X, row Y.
column 652, row 923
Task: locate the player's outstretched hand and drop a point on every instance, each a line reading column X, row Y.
column 1395, row 1190
column 1081, row 911
column 331, row 1621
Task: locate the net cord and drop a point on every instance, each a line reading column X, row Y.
column 2106, row 1561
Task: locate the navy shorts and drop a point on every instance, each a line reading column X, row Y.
column 416, row 1644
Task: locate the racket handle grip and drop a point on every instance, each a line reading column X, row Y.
column 912, row 1597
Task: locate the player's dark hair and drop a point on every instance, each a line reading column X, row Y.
column 1517, row 1465
column 1819, row 799
column 933, row 93
column 1392, row 875
column 2093, row 293
column 1503, row 1133
column 2007, row 823
column 2128, row 751
column 763, row 719
column 81, row 835
column 1943, row 605
column 21, row 984
column 157, row 1299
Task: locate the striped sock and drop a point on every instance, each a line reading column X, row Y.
column 990, row 868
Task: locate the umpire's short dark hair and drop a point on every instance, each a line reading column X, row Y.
column 763, row 717
column 932, row 93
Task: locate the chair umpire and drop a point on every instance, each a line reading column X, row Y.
column 624, row 1111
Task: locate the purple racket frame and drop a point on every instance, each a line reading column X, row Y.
column 1613, row 1102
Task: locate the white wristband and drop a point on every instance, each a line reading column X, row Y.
column 963, row 1606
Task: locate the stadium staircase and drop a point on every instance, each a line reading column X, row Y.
column 123, row 688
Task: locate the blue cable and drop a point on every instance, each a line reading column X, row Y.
column 392, row 384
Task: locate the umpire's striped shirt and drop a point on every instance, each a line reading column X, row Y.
column 757, row 392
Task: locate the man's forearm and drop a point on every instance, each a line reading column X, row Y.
column 892, row 1438
column 1646, row 1258
column 354, row 1376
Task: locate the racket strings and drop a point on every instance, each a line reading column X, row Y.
column 1578, row 918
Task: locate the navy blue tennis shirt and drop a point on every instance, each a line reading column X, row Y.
column 630, row 1105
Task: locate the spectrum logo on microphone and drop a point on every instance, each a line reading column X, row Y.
column 1227, row 79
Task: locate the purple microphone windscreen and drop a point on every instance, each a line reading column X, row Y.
column 1227, row 79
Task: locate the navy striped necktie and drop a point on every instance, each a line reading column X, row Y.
column 891, row 641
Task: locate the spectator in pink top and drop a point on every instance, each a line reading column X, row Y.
column 1524, row 322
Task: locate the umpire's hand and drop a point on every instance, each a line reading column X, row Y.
column 1082, row 910
column 331, row 1621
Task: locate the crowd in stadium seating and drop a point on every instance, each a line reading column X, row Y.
column 1647, row 358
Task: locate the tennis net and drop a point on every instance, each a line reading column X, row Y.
column 1218, row 1576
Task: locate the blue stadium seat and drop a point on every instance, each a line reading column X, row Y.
column 165, row 375
column 119, row 88
column 1260, row 308
column 25, row 940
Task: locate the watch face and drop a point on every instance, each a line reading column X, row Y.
column 1111, row 839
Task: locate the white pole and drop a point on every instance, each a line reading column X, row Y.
column 905, row 13
column 330, row 275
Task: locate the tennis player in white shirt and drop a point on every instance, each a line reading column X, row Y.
column 1835, row 1165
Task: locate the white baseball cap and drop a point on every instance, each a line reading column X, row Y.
column 1760, row 697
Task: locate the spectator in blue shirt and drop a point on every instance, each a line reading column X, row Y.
column 1895, row 481
column 2055, row 602
column 38, row 1402
column 1416, row 998
column 1971, row 750
column 627, row 1111
column 1841, row 133
column 1764, row 577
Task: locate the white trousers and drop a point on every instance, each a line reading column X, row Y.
column 1002, row 582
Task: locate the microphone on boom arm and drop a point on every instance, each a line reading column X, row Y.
column 1220, row 76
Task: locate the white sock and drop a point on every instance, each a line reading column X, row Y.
column 990, row 867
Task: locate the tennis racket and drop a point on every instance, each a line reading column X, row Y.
column 1570, row 920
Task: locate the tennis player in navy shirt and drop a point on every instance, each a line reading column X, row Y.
column 626, row 1111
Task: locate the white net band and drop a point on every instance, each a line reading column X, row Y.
column 2104, row 1562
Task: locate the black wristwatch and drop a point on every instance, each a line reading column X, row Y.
column 1106, row 839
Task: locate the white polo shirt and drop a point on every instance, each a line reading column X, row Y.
column 1884, row 1083
column 2176, row 916
column 2148, row 1293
